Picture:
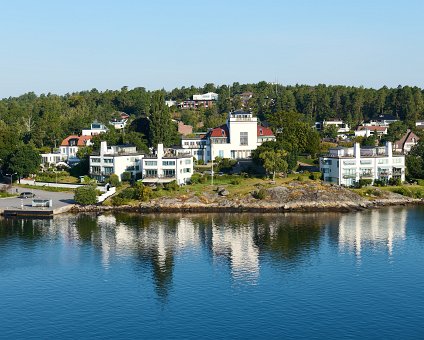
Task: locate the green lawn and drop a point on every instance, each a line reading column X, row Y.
column 45, row 188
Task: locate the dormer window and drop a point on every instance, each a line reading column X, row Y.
column 261, row 132
column 223, row 133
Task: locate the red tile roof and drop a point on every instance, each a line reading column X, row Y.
column 81, row 140
column 221, row 131
column 264, row 131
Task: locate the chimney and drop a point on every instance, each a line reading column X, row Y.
column 357, row 150
column 389, row 149
column 159, row 152
column 103, row 148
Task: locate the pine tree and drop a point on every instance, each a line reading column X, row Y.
column 160, row 121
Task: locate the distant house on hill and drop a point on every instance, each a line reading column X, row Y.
column 95, row 129
column 404, row 145
column 366, row 131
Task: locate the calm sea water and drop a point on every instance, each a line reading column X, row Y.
column 358, row 275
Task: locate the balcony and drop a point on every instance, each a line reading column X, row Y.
column 349, row 176
column 366, row 175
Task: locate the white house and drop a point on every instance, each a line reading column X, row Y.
column 205, row 97
column 121, row 122
column 342, row 127
column 236, row 139
column 70, row 146
column 163, row 167
column 346, row 166
column 95, row 129
column 115, row 159
column 167, row 166
column 366, row 131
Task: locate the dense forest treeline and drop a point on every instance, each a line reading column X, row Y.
column 46, row 119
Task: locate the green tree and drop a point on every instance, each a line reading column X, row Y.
column 114, row 180
column 330, row 131
column 415, row 161
column 274, row 161
column 160, row 121
column 395, row 131
column 25, row 161
column 86, row 195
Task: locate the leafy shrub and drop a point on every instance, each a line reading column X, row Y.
column 315, row 176
column 379, row 183
column 126, row 176
column 364, row 182
column 128, row 193
column 142, row 192
column 200, row 162
column 395, row 181
column 235, row 181
column 195, row 178
column 118, row 200
column 171, row 186
column 259, row 194
column 86, row 195
column 114, row 180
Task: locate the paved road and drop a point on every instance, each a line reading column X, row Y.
column 60, row 199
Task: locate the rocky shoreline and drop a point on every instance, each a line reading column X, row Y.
column 295, row 197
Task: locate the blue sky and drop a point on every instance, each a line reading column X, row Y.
column 64, row 46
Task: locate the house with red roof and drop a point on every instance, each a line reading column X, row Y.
column 70, row 146
column 236, row 139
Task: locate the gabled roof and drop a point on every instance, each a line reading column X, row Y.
column 264, row 131
column 221, row 131
column 408, row 137
column 81, row 140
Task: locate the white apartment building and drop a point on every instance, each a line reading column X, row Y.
column 346, row 166
column 163, row 167
column 236, row 139
column 115, row 159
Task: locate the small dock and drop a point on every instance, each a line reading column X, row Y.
column 28, row 213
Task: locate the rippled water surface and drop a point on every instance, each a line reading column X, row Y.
column 357, row 275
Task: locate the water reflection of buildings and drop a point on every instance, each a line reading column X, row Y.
column 238, row 245
column 377, row 228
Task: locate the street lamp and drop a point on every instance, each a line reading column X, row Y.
column 11, row 178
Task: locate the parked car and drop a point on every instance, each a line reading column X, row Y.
column 26, row 194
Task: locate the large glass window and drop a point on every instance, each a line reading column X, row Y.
column 244, row 138
column 151, row 163
column 165, row 163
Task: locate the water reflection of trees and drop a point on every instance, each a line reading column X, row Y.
column 239, row 241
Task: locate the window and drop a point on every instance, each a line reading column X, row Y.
column 187, row 161
column 167, row 163
column 108, row 170
column 108, row 160
column 244, row 138
column 327, row 161
column 169, row 173
column 151, row 163
column 95, row 160
column 221, row 153
column 151, row 173
column 187, row 170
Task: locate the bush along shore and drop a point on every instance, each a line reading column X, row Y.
column 265, row 196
